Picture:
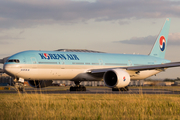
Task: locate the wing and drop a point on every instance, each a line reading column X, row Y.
column 138, row 68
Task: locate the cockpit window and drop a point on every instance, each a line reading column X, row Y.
column 14, row 60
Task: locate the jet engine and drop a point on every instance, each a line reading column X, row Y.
column 116, row 78
column 40, row 84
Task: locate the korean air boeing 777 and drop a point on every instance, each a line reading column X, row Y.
column 39, row 68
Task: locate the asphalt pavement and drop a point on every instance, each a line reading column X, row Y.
column 94, row 90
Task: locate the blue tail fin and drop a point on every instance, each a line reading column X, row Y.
column 160, row 45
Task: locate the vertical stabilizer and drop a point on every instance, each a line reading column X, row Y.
column 159, row 48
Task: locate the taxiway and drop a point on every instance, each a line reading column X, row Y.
column 97, row 90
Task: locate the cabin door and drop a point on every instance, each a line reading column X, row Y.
column 34, row 62
column 130, row 63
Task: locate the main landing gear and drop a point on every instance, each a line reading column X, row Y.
column 78, row 87
column 121, row 89
column 19, row 84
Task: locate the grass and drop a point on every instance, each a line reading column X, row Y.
column 87, row 106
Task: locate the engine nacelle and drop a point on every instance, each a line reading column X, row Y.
column 40, row 84
column 116, row 78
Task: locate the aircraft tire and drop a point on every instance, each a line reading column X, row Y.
column 75, row 88
column 72, row 88
column 84, row 88
column 19, row 87
column 126, row 88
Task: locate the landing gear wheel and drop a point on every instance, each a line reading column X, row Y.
column 126, row 88
column 78, row 87
column 19, row 87
column 19, row 84
column 82, row 88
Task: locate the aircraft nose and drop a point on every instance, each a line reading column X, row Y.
column 11, row 69
column 6, row 68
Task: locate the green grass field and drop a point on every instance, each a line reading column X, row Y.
column 96, row 106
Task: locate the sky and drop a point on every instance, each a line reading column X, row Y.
column 113, row 26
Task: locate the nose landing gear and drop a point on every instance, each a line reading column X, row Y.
column 78, row 87
column 19, row 84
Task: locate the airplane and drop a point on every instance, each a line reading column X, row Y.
column 40, row 68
